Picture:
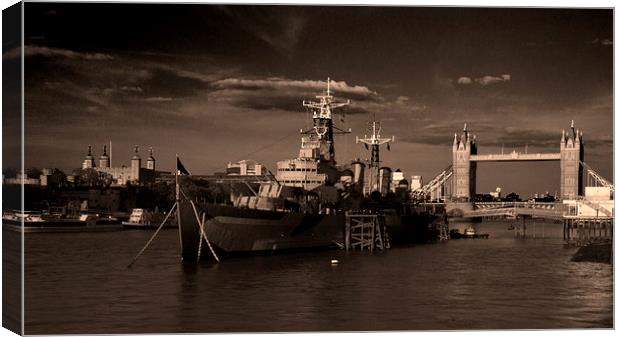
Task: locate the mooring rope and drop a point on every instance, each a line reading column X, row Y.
column 203, row 234
column 200, row 238
column 153, row 236
column 175, row 208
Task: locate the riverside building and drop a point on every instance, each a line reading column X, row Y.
column 121, row 175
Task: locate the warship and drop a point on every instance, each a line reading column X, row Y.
column 303, row 205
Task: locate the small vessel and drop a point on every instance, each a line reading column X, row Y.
column 141, row 218
column 470, row 232
column 17, row 217
column 32, row 221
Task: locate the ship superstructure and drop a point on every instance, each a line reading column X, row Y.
column 374, row 177
column 316, row 160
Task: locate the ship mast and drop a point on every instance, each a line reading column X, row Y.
column 323, row 128
column 374, row 141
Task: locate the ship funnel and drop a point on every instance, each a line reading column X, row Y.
column 358, row 175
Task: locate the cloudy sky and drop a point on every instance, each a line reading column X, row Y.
column 223, row 83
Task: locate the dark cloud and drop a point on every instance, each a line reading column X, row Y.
column 355, row 109
column 132, row 88
column 280, row 27
column 602, row 42
column 464, row 80
column 432, row 132
column 261, row 101
column 30, row 51
column 166, row 83
column 276, row 83
column 489, row 135
column 488, row 80
column 601, row 141
column 159, row 99
column 186, row 77
column 484, row 80
column 513, row 137
column 286, row 94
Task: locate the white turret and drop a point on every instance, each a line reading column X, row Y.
column 150, row 161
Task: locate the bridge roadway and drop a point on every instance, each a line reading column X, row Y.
column 549, row 210
column 515, row 156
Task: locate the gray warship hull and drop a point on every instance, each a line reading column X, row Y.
column 234, row 230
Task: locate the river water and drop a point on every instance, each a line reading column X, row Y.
column 78, row 283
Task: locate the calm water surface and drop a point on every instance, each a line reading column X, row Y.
column 79, row 283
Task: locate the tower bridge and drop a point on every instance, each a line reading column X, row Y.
column 587, row 217
column 457, row 183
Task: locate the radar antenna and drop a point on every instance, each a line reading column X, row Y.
column 374, row 140
column 323, row 128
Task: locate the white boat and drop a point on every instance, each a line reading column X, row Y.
column 143, row 218
column 470, row 232
column 26, row 216
column 30, row 221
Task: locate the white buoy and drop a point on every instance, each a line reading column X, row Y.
column 334, row 261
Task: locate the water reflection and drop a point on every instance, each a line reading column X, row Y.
column 78, row 283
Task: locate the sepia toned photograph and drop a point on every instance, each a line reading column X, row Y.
column 246, row 168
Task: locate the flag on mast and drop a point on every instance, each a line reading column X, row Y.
column 181, row 169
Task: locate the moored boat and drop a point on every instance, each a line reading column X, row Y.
column 469, row 233
column 141, row 218
column 29, row 221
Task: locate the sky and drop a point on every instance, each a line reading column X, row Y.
column 216, row 84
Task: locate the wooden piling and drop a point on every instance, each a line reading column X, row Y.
column 564, row 230
column 372, row 235
column 366, row 232
column 347, row 232
column 581, row 231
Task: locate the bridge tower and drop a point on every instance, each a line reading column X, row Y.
column 464, row 179
column 571, row 155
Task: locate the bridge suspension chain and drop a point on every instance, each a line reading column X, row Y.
column 597, row 177
column 433, row 184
